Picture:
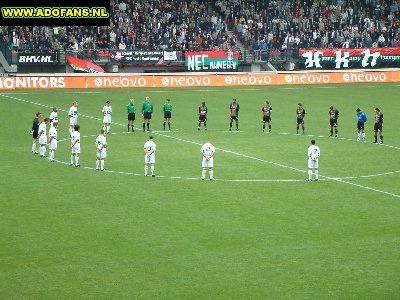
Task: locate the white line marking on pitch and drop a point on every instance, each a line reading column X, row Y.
column 84, row 92
column 235, row 153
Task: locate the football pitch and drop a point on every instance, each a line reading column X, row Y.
column 258, row 231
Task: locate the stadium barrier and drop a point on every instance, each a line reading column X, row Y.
column 174, row 80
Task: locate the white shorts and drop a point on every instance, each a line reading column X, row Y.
column 150, row 159
column 208, row 163
column 73, row 121
column 312, row 164
column 102, row 154
column 107, row 119
column 43, row 139
column 76, row 149
column 53, row 144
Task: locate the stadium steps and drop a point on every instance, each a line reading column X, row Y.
column 8, row 68
column 249, row 55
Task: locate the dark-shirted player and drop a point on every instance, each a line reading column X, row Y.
column 147, row 110
column 300, row 114
column 131, row 110
column 234, row 114
column 361, row 119
column 202, row 115
column 267, row 110
column 333, row 120
column 378, row 126
column 167, row 108
column 35, row 131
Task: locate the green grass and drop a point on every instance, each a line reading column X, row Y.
column 75, row 233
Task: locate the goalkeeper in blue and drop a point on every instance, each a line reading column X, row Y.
column 313, row 155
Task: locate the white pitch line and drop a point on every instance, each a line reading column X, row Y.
column 180, row 177
column 235, row 153
column 362, row 186
column 84, row 92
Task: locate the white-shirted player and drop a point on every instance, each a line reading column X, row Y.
column 52, row 141
column 43, row 137
column 150, row 156
column 54, row 116
column 207, row 150
column 313, row 155
column 76, row 146
column 73, row 117
column 107, row 110
column 101, row 143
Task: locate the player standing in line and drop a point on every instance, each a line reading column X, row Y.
column 300, row 114
column 52, row 141
column 361, row 119
column 234, row 114
column 378, row 125
column 207, row 150
column 73, row 117
column 150, row 156
column 333, row 120
column 313, row 155
column 167, row 109
column 267, row 110
column 203, row 110
column 107, row 110
column 131, row 109
column 43, row 137
column 147, row 110
column 35, row 131
column 101, row 143
column 76, row 146
column 54, row 116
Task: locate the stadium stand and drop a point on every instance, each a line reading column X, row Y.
column 280, row 27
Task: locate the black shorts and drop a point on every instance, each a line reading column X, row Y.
column 202, row 118
column 360, row 126
column 333, row 122
column 131, row 117
column 234, row 118
column 147, row 115
column 300, row 121
column 267, row 119
column 35, row 134
column 167, row 115
column 378, row 127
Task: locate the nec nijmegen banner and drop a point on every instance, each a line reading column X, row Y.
column 212, row 61
column 55, row 13
column 372, row 58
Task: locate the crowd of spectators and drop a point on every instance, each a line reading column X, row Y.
column 283, row 24
column 200, row 25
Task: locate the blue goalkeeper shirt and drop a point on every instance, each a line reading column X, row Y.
column 361, row 117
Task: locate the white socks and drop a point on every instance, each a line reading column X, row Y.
column 146, row 168
column 152, row 170
column 203, row 173
column 33, row 147
column 211, row 171
column 309, row 174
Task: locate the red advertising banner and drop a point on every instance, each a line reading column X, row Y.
column 349, row 58
column 212, row 61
